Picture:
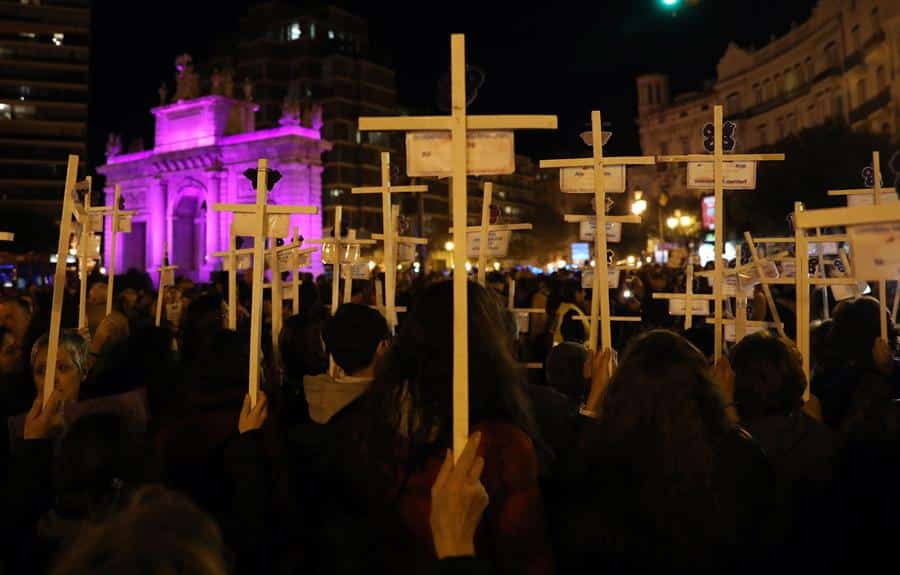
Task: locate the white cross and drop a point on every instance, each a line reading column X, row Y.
column 119, row 217
column 389, row 236
column 85, row 241
column 292, row 251
column 166, row 278
column 458, row 123
column 59, row 277
column 231, row 264
column 687, row 297
column 261, row 212
column 600, row 294
column 718, row 160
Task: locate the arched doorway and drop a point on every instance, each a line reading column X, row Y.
column 188, row 235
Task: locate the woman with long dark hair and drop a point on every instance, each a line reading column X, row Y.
column 662, row 481
column 397, row 449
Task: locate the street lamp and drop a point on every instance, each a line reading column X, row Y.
column 449, row 246
column 672, row 222
column 686, row 221
column 639, row 205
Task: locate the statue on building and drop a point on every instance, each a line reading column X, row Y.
column 248, row 90
column 187, row 83
column 163, row 93
column 315, row 117
column 113, row 145
column 290, row 107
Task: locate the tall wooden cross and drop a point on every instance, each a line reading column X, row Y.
column 686, row 299
column 288, row 254
column 600, row 309
column 335, row 245
column 389, row 236
column 458, row 123
column 87, row 247
column 121, row 223
column 166, row 278
column 261, row 212
column 232, row 260
column 863, row 215
column 59, row 277
column 718, row 161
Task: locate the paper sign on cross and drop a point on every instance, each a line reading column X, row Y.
column 719, row 161
column 686, row 299
column 166, row 278
column 484, row 230
column 600, row 308
column 59, row 277
column 261, row 211
column 389, row 236
column 459, row 124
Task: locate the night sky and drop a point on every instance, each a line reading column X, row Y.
column 551, row 58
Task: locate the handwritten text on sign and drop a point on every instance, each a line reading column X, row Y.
column 698, row 307
column 581, row 180
column 613, row 231
column 430, row 154
column 736, row 175
column 587, row 278
column 498, row 243
column 876, row 250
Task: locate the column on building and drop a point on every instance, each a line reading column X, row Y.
column 216, row 223
column 157, row 232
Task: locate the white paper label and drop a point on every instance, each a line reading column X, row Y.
column 736, row 175
column 730, row 286
column 876, row 251
column 243, row 262
column 581, row 180
column 845, row 292
column 731, row 331
column 125, row 223
column 887, row 197
column 361, row 271
column 97, row 223
column 588, row 227
column 498, row 243
column 93, row 247
column 698, row 307
column 789, row 268
column 167, row 277
column 406, row 253
column 523, row 319
column 279, row 225
column 587, row 278
column 429, row 154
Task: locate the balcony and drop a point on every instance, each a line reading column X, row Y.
column 771, row 103
column 872, row 105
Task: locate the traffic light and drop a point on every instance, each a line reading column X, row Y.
column 670, row 3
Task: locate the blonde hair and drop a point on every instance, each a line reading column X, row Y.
column 71, row 341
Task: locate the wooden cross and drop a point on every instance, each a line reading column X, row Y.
column 166, row 278
column 335, row 244
column 389, row 237
column 486, row 228
column 85, row 241
column 612, row 318
column 392, row 269
column 877, row 213
column 292, row 251
column 718, row 161
column 232, row 262
column 687, row 297
column 59, row 277
column 458, row 123
column 600, row 295
column 261, row 212
column 118, row 217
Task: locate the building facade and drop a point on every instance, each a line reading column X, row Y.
column 843, row 63
column 322, row 53
column 202, row 146
column 44, row 54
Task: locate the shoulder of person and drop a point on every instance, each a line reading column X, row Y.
column 508, row 452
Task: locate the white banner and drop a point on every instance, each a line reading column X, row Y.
column 498, row 243
column 581, row 180
column 876, row 251
column 698, row 307
column 587, row 278
column 887, row 197
column 429, row 154
column 279, row 225
column 736, row 175
column 587, row 228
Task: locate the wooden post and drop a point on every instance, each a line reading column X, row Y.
column 484, row 231
column 336, row 268
column 111, row 265
column 688, row 296
column 757, row 262
column 59, row 277
column 165, row 279
column 232, row 280
column 277, row 300
column 458, row 123
column 295, row 276
column 83, row 257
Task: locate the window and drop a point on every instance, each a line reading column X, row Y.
column 58, row 38
column 861, row 95
column 831, row 55
column 762, row 131
column 295, row 31
column 767, row 89
column 757, row 94
column 685, row 145
column 312, row 30
column 876, row 21
column 5, row 112
column 810, row 70
column 331, row 34
column 663, row 148
column 880, row 78
column 649, row 94
column 777, row 85
column 733, row 103
column 658, row 95
column 855, row 38
column 837, row 105
column 779, row 126
column 791, row 124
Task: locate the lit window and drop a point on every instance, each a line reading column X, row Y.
column 5, row 112
column 507, row 210
column 312, row 31
column 27, row 35
column 358, row 137
column 295, row 32
column 331, row 34
column 336, row 193
column 58, row 38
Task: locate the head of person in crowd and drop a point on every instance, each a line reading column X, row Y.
column 857, row 330
column 822, row 355
column 15, row 315
column 71, row 364
column 126, row 303
column 357, row 336
column 564, row 366
column 300, row 342
column 11, row 358
column 769, row 379
column 201, row 321
column 413, row 391
column 159, row 533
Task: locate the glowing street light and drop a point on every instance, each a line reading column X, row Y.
column 449, row 246
column 686, row 221
column 672, row 222
column 639, row 205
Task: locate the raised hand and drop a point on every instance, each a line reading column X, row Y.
column 458, row 500
column 41, row 420
column 253, row 418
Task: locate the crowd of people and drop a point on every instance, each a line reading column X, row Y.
column 150, row 458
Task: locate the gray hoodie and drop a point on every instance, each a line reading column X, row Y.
column 327, row 395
